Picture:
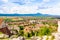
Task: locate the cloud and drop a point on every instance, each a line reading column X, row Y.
column 46, row 0
column 5, row 1
column 1, row 11
column 53, row 11
column 30, row 6
column 19, row 9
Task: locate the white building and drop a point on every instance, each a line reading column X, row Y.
column 58, row 26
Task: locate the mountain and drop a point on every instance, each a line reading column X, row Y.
column 37, row 14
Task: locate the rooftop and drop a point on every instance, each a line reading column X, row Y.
column 1, row 20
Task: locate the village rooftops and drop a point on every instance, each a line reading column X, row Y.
column 3, row 27
column 2, row 23
column 1, row 20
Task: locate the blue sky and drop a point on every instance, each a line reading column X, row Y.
column 30, row 6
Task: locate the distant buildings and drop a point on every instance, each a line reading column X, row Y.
column 57, row 34
column 2, row 24
column 58, row 26
column 3, row 27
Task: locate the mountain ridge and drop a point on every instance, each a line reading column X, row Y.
column 37, row 14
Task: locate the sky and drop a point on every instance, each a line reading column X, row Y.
column 30, row 6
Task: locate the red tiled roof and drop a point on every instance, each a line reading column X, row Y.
column 1, row 20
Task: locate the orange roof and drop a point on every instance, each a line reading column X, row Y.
column 1, row 20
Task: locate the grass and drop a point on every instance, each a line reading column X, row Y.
column 1, row 33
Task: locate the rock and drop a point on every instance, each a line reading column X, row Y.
column 35, row 38
column 1, row 35
column 18, row 38
column 6, row 36
column 14, row 36
column 44, row 38
column 14, row 32
column 50, row 38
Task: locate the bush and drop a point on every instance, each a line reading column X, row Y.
column 21, row 27
column 21, row 33
column 8, row 20
column 28, row 35
column 45, row 31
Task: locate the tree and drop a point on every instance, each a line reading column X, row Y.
column 21, row 33
column 29, row 35
column 21, row 27
column 44, row 31
column 33, row 33
column 8, row 20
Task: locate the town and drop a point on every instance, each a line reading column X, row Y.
column 29, row 28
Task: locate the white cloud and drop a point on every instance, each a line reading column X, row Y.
column 52, row 11
column 30, row 9
column 19, row 9
column 5, row 1
column 9, row 7
column 1, row 11
column 23, row 9
column 46, row 0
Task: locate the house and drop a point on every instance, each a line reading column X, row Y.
column 58, row 26
column 2, row 24
column 3, row 27
column 57, row 34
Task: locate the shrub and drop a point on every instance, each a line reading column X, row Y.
column 45, row 31
column 21, row 27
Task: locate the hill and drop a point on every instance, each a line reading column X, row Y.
column 37, row 14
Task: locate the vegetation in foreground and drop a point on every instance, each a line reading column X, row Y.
column 49, row 25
